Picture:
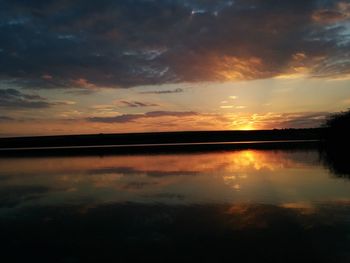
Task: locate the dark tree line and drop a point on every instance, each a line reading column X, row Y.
column 338, row 127
column 336, row 146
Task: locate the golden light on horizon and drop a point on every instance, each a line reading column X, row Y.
column 243, row 125
column 247, row 127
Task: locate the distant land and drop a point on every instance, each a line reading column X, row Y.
column 158, row 142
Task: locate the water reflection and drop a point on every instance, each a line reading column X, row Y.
column 266, row 205
column 158, row 233
column 336, row 159
column 272, row 177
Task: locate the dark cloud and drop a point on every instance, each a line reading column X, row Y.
column 306, row 120
column 166, row 196
column 297, row 120
column 133, row 171
column 125, row 118
column 87, row 44
column 12, row 99
column 178, row 90
column 152, row 114
column 136, row 104
column 125, row 170
column 328, row 16
column 5, row 119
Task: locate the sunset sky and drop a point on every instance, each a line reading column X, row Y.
column 109, row 66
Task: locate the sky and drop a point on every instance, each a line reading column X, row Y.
column 112, row 66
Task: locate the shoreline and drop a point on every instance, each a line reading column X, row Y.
column 166, row 148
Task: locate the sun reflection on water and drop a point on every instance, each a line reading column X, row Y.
column 244, row 175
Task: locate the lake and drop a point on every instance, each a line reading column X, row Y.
column 260, row 205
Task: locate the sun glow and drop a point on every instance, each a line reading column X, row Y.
column 247, row 127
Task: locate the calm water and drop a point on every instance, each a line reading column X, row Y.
column 266, row 206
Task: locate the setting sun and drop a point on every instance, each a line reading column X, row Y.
column 247, row 127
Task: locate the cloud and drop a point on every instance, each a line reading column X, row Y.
column 133, row 171
column 136, row 104
column 226, row 107
column 125, row 118
column 291, row 120
column 162, row 121
column 178, row 90
column 12, row 98
column 137, row 42
column 83, row 83
column 304, row 120
column 47, row 77
column 328, row 16
column 339, row 12
column 5, row 119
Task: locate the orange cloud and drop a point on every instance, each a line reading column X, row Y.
column 228, row 68
column 108, row 122
column 84, row 83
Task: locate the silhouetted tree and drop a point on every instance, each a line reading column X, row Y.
column 338, row 127
column 337, row 143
